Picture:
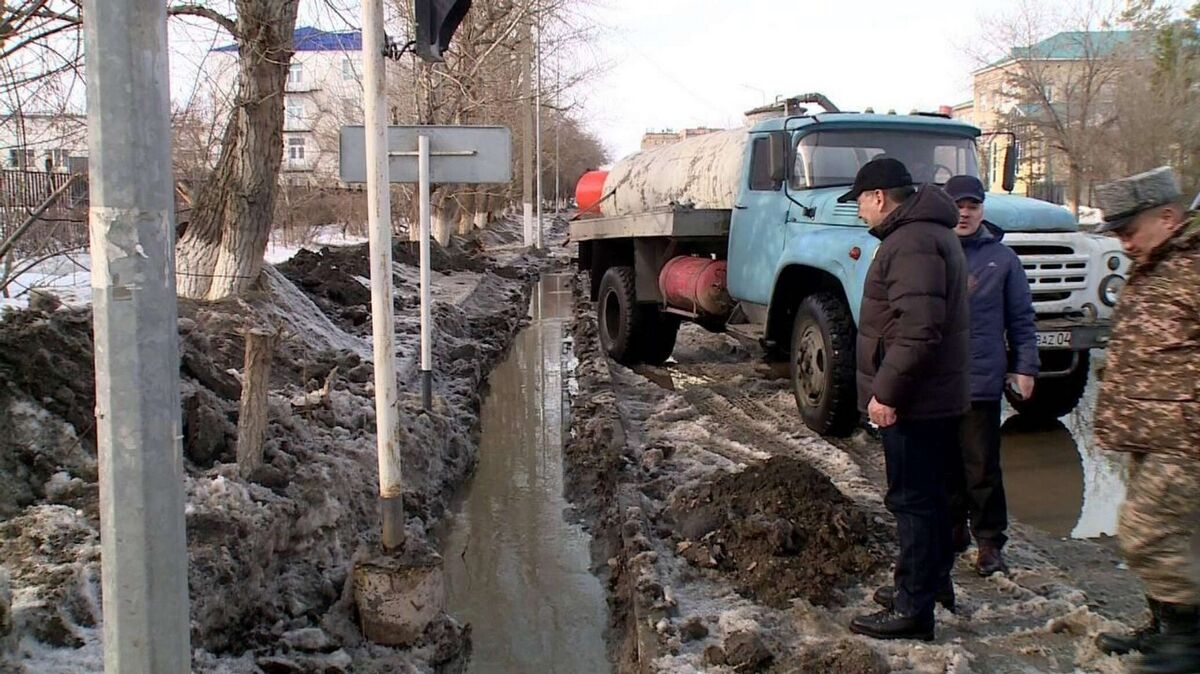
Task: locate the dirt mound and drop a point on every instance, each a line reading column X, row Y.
column 781, row 529
column 48, row 356
column 337, row 280
column 460, row 255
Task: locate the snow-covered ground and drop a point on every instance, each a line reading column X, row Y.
column 269, row 556
column 282, row 247
column 68, row 276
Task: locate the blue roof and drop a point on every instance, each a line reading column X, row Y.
column 307, row 38
column 1074, row 45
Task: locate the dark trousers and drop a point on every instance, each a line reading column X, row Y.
column 975, row 485
column 915, row 453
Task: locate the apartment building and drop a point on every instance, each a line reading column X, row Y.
column 323, row 93
column 1065, row 68
column 42, row 141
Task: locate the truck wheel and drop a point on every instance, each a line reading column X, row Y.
column 822, row 365
column 617, row 315
column 1056, row 396
column 658, row 332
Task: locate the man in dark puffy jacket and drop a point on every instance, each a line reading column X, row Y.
column 1002, row 322
column 913, row 350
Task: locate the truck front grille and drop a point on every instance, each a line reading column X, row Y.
column 1054, row 271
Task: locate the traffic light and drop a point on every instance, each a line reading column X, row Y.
column 436, row 22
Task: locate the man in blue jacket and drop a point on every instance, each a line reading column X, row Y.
column 1002, row 323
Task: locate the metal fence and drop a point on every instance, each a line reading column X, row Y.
column 61, row 226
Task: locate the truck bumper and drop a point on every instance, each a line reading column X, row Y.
column 1072, row 334
column 1062, row 343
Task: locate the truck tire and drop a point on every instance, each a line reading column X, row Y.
column 1054, row 397
column 658, row 332
column 822, row 365
column 618, row 317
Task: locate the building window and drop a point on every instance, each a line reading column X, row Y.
column 295, row 74
column 20, row 159
column 348, row 69
column 296, row 149
column 58, row 159
column 295, row 111
column 1048, row 92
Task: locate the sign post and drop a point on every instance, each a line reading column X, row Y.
column 427, row 155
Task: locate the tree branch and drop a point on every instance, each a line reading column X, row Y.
column 216, row 17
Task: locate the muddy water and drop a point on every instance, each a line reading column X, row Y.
column 1055, row 477
column 516, row 570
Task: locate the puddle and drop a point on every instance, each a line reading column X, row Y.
column 516, row 570
column 1057, row 480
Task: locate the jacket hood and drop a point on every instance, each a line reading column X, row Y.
column 929, row 204
column 986, row 234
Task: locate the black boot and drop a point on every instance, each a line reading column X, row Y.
column 1120, row 644
column 889, row 625
column 885, row 596
column 990, row 559
column 1176, row 649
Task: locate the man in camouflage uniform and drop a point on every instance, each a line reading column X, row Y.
column 1149, row 406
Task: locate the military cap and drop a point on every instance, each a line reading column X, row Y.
column 1121, row 200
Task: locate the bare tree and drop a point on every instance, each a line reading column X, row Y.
column 1057, row 70
column 1158, row 102
column 481, row 83
column 220, row 252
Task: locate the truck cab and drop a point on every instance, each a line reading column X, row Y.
column 793, row 261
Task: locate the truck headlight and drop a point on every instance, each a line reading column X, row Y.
column 1110, row 289
column 1114, row 263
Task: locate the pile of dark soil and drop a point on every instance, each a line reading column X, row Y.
column 460, row 255
column 781, row 529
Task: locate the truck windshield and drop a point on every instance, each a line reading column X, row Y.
column 829, row 158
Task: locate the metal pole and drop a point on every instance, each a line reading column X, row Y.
column 383, row 327
column 426, row 355
column 537, row 100
column 527, row 139
column 557, row 127
column 143, row 549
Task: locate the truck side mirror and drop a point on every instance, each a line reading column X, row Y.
column 779, row 156
column 1010, row 168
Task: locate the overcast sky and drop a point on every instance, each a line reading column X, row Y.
column 678, row 63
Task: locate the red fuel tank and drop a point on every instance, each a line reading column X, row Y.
column 588, row 192
column 696, row 284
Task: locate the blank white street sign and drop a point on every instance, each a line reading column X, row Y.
column 458, row 154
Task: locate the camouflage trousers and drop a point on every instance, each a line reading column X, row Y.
column 1159, row 526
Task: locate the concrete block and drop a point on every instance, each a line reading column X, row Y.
column 398, row 597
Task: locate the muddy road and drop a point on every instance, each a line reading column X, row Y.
column 732, row 538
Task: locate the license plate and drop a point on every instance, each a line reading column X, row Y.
column 1059, row 339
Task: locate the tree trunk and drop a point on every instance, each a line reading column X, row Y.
column 220, row 252
column 1074, row 189
column 442, row 224
column 252, row 413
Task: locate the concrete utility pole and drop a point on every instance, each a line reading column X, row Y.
column 383, row 326
column 527, row 135
column 537, row 238
column 143, row 552
column 557, row 128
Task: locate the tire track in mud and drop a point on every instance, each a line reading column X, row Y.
column 723, row 412
column 721, row 394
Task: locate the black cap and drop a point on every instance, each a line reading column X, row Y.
column 965, row 187
column 878, row 174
